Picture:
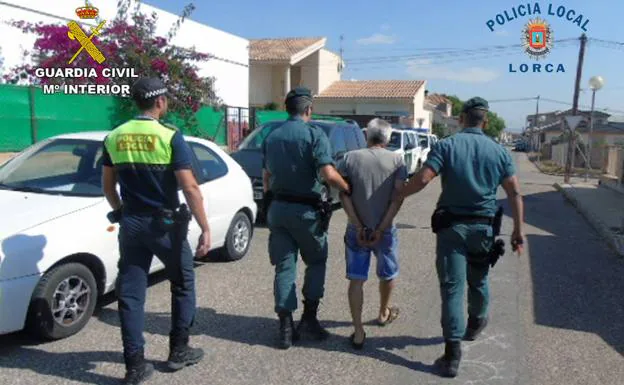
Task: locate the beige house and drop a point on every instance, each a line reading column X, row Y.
column 399, row 101
column 278, row 65
column 442, row 108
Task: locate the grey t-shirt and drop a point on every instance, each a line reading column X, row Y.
column 372, row 173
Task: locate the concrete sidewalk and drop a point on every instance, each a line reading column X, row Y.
column 602, row 207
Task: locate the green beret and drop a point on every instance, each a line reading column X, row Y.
column 476, row 103
column 299, row 92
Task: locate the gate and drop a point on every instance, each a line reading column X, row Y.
column 237, row 119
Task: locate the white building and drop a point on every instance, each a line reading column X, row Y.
column 402, row 102
column 230, row 67
column 278, row 65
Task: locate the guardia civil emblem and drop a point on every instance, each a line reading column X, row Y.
column 537, row 38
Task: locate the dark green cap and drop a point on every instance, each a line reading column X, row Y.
column 476, row 103
column 299, row 92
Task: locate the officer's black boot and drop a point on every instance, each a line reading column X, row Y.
column 448, row 364
column 287, row 333
column 137, row 370
column 180, row 353
column 309, row 323
column 475, row 327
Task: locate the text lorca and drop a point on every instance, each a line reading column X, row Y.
column 537, row 68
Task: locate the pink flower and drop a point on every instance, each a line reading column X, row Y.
column 160, row 65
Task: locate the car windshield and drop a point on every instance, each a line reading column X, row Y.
column 60, row 166
column 257, row 136
column 395, row 140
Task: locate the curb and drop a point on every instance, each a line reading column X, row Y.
column 614, row 241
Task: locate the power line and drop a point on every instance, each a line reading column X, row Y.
column 607, row 41
column 448, row 52
column 583, row 106
column 424, row 62
column 453, row 56
column 513, row 100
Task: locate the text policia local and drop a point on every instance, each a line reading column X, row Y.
column 532, row 9
column 91, row 89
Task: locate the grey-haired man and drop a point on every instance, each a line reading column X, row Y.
column 374, row 173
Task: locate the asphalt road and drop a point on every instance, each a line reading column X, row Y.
column 556, row 316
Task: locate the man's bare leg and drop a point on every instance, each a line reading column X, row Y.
column 356, row 302
column 385, row 292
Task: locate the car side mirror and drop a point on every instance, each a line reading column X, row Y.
column 423, row 143
column 409, row 146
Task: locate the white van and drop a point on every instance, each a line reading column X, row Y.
column 425, row 144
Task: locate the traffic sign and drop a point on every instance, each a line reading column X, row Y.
column 573, row 121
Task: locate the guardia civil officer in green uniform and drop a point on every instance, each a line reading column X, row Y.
column 295, row 156
column 150, row 161
column 472, row 166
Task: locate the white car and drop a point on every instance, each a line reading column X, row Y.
column 59, row 252
column 404, row 142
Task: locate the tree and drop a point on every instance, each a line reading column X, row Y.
column 457, row 104
column 438, row 130
column 496, row 124
column 125, row 45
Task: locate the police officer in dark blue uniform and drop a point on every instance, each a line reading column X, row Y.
column 150, row 161
column 472, row 166
column 296, row 155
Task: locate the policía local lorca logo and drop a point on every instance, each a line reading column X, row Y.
column 537, row 38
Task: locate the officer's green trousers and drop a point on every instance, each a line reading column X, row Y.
column 453, row 246
column 294, row 228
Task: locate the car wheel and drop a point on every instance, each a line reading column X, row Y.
column 238, row 237
column 63, row 301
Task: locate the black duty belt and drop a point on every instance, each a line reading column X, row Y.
column 144, row 212
column 297, row 199
column 472, row 219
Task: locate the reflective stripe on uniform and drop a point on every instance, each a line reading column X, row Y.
column 140, row 142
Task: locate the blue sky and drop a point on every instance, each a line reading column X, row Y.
column 376, row 29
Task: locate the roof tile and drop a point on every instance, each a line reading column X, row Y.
column 279, row 49
column 437, row 99
column 372, row 89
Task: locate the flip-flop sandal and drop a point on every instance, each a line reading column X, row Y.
column 393, row 313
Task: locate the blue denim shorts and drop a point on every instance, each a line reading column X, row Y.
column 358, row 258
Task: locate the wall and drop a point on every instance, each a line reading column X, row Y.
column 419, row 108
column 310, row 72
column 260, row 84
column 278, row 76
column 328, row 69
column 602, row 138
column 232, row 80
column 28, row 116
column 615, row 162
column 363, row 107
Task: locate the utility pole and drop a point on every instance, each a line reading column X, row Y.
column 341, row 52
column 577, row 89
column 536, row 123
